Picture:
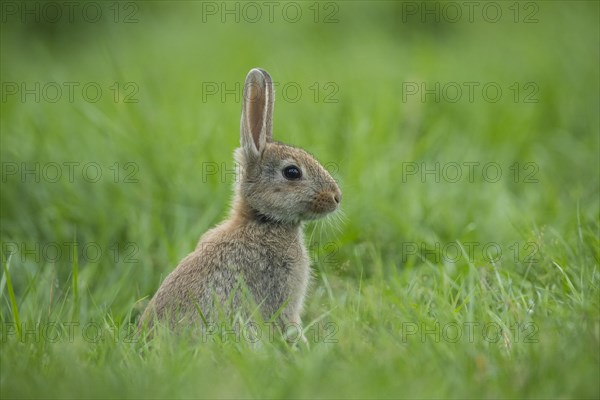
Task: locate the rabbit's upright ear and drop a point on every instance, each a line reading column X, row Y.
column 257, row 112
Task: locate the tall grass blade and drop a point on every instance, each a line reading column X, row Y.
column 75, row 278
column 11, row 296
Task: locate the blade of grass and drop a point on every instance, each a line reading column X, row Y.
column 74, row 277
column 11, row 295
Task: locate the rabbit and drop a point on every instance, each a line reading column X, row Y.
column 261, row 243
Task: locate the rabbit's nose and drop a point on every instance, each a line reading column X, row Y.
column 337, row 197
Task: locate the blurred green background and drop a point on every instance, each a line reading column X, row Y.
column 147, row 94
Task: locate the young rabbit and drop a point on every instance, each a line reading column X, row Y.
column 261, row 243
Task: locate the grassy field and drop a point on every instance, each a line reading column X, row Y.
column 466, row 142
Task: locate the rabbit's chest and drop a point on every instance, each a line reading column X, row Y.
column 289, row 266
column 282, row 275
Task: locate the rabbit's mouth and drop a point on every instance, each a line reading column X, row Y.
column 311, row 216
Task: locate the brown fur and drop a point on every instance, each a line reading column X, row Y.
column 261, row 243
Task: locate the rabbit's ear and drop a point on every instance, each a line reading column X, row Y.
column 257, row 112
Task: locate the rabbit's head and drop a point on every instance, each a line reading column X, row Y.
column 277, row 182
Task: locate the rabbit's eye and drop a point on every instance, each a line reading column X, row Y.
column 292, row 173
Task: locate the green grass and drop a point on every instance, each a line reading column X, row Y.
column 394, row 315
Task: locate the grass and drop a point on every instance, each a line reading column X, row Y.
column 432, row 286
